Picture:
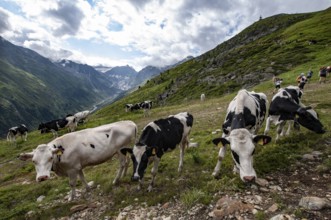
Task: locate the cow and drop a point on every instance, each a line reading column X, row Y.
column 286, row 106
column 53, row 126
column 202, row 97
column 20, row 130
column 157, row 138
column 82, row 116
column 72, row 123
column 128, row 107
column 69, row 154
column 245, row 115
column 146, row 106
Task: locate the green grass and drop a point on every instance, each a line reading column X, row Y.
column 195, row 184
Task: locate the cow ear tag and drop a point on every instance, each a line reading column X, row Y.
column 153, row 151
column 262, row 141
column 59, row 153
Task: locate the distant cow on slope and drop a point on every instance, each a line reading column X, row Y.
column 20, row 130
column 54, row 126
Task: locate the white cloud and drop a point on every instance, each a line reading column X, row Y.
column 158, row 32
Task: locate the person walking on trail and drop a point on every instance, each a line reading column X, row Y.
column 277, row 81
column 323, row 72
column 299, row 78
column 309, row 75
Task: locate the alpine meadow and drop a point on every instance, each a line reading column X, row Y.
column 284, row 45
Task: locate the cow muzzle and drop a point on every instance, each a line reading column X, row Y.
column 249, row 179
column 42, row 178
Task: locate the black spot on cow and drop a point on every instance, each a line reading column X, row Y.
column 107, row 135
column 92, row 145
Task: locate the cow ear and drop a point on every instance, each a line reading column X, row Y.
column 25, row 156
column 220, row 142
column 126, row 150
column 262, row 139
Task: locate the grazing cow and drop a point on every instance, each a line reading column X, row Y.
column 202, row 97
column 157, row 138
column 69, row 154
column 244, row 118
column 20, row 130
column 72, row 123
column 53, row 126
column 135, row 107
column 286, row 106
column 128, row 107
column 146, row 106
column 82, row 116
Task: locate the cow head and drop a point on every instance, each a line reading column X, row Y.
column 140, row 155
column 309, row 119
column 242, row 144
column 42, row 157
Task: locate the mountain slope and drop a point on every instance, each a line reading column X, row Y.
column 33, row 89
column 270, row 46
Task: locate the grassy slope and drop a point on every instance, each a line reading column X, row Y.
column 195, row 184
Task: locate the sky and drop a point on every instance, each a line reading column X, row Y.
column 134, row 32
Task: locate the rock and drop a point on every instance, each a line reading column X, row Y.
column 273, row 208
column 282, row 217
column 261, row 182
column 40, row 198
column 91, row 184
column 314, row 203
column 77, row 208
column 229, row 206
column 193, row 144
column 308, row 157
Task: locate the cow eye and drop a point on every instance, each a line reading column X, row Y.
column 34, row 162
column 236, row 157
column 51, row 158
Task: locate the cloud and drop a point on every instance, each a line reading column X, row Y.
column 4, row 23
column 68, row 15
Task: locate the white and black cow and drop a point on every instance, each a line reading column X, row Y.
column 54, row 126
column 146, row 106
column 128, row 107
column 245, row 115
column 82, row 116
column 157, row 138
column 69, row 154
column 20, row 130
column 286, row 106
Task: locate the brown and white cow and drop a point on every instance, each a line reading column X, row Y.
column 244, row 118
column 69, row 154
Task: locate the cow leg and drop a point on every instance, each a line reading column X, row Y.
column 267, row 126
column 25, row 136
column 280, row 129
column 221, row 155
column 126, row 166
column 72, row 181
column 82, row 178
column 154, row 172
column 181, row 154
column 290, row 123
column 121, row 168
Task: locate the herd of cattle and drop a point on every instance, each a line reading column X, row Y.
column 69, row 154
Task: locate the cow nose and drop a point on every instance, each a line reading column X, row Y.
column 135, row 178
column 249, row 178
column 42, row 178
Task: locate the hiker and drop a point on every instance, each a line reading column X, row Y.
column 299, row 78
column 277, row 81
column 322, row 74
column 309, row 74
